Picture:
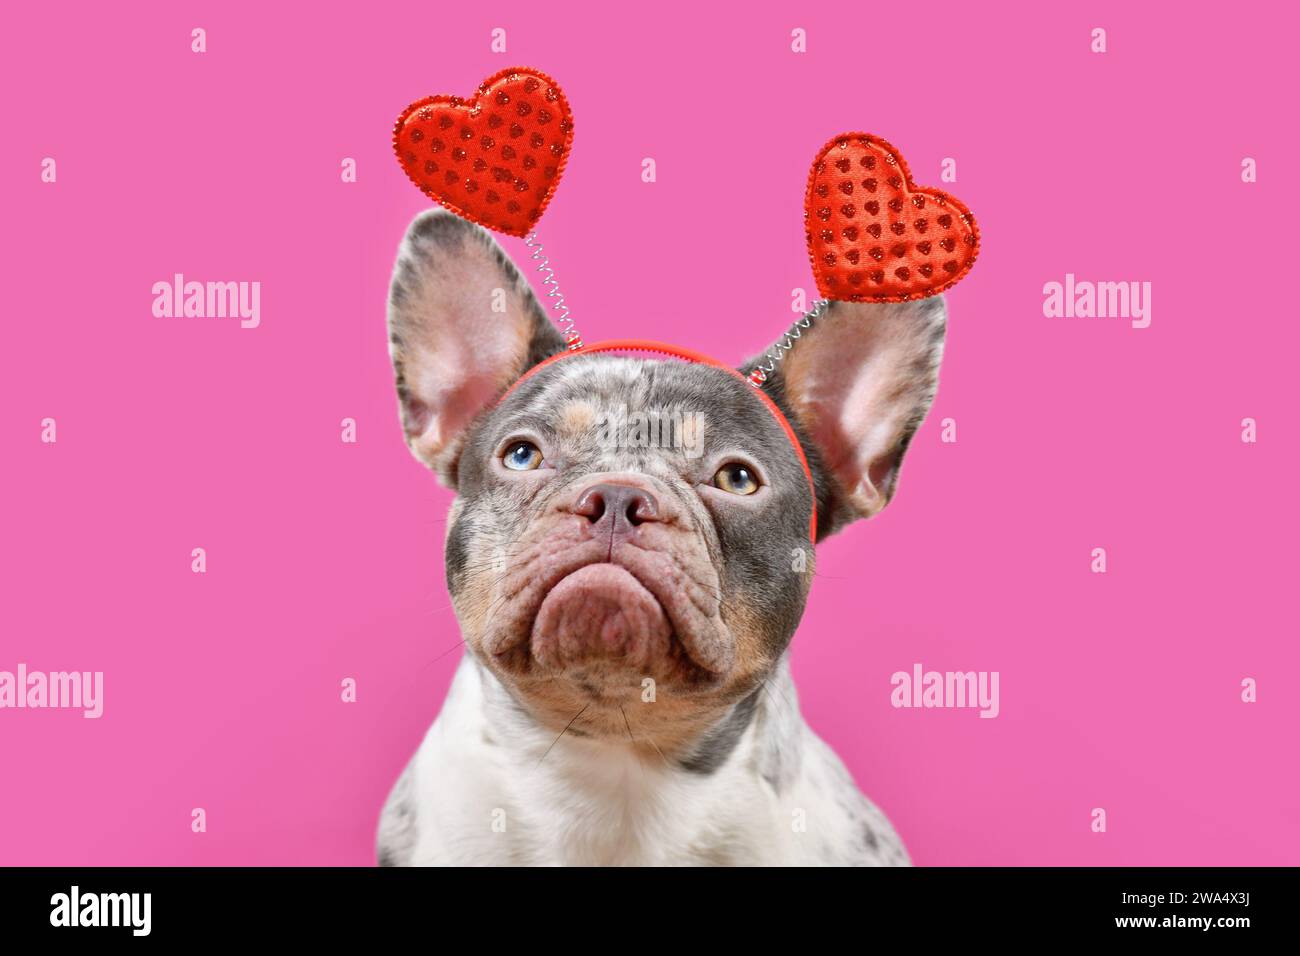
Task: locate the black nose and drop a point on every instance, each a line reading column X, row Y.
column 621, row 507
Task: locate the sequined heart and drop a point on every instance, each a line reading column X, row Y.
column 494, row 158
column 873, row 235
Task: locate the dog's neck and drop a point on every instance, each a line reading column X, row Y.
column 490, row 784
column 703, row 747
column 764, row 721
column 616, row 800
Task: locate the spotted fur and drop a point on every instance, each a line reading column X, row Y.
column 536, row 762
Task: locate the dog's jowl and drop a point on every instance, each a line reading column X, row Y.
column 627, row 604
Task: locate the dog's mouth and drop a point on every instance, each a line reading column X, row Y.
column 600, row 614
column 615, row 619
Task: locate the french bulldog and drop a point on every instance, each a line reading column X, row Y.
column 627, row 606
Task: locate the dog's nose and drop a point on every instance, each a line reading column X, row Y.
column 620, row 507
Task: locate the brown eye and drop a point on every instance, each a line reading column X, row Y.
column 737, row 479
column 522, row 456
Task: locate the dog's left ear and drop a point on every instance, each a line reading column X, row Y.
column 463, row 325
column 859, row 382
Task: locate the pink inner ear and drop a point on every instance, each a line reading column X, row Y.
column 449, row 400
column 457, row 368
column 857, row 381
column 475, row 394
column 841, row 389
column 851, row 437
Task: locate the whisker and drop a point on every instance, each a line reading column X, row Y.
column 639, row 765
column 651, row 742
column 626, row 724
column 648, row 739
column 767, row 685
column 563, row 732
column 454, row 647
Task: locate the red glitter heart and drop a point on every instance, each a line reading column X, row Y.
column 495, row 158
column 873, row 235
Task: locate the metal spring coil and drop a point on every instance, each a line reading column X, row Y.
column 568, row 328
column 777, row 352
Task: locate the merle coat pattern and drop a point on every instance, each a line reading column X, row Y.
column 627, row 608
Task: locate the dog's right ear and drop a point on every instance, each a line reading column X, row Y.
column 463, row 325
column 859, row 381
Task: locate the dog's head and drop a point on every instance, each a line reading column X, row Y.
column 628, row 529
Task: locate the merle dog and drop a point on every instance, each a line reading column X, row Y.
column 628, row 605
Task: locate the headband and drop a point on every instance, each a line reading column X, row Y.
column 873, row 235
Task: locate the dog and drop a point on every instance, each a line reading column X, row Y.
column 627, row 606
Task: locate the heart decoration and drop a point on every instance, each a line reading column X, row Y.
column 873, row 235
column 494, row 158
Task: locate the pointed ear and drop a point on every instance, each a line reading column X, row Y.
column 859, row 382
column 463, row 325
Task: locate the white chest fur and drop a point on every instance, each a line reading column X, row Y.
column 480, row 792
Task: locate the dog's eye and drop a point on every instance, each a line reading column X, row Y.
column 737, row 479
column 522, row 456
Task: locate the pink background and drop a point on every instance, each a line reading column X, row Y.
column 1119, row 690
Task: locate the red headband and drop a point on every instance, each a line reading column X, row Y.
column 675, row 351
column 496, row 158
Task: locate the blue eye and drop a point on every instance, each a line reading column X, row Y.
column 522, row 456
